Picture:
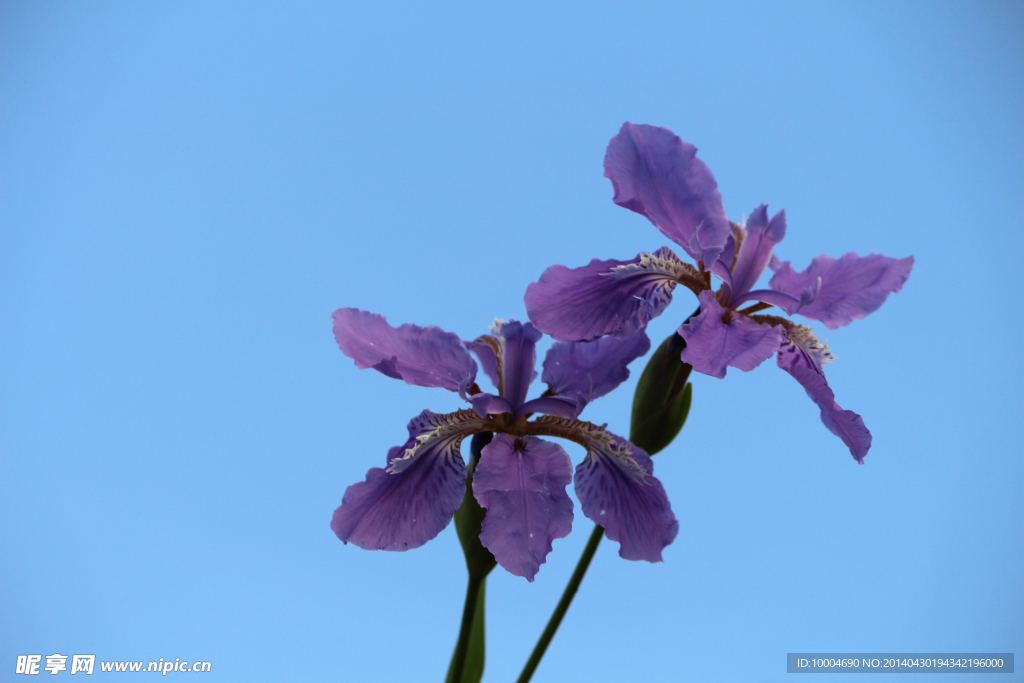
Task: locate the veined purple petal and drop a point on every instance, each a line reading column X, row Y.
column 407, row 508
column 603, row 297
column 617, row 489
column 592, row 368
column 851, row 287
column 802, row 349
column 424, row 356
column 719, row 338
column 518, row 359
column 659, row 176
column 521, row 482
column 756, row 251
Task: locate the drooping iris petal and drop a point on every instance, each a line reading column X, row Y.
column 407, row 508
column 756, row 251
column 424, row 356
column 803, row 356
column 617, row 490
column 659, row 176
column 846, row 424
column 518, row 359
column 521, row 482
column 591, row 368
column 719, row 338
column 602, row 297
column 851, row 287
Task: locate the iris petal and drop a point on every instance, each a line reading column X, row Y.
column 756, row 251
column 407, row 508
column 490, row 404
column 846, row 424
column 602, row 297
column 657, row 175
column 485, row 354
column 720, row 338
column 803, row 356
column 591, row 368
column 783, row 301
column 617, row 490
column 518, row 358
column 851, row 287
column 424, row 356
column 562, row 406
column 521, row 483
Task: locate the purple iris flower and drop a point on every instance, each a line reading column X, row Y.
column 520, row 478
column 657, row 175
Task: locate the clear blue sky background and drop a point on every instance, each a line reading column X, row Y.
column 189, row 189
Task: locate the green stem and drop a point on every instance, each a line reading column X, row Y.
column 468, row 612
column 563, row 605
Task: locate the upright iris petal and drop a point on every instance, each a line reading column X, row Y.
column 486, row 353
column 659, row 176
column 755, row 253
column 521, row 482
column 518, row 357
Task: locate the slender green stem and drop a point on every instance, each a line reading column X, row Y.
column 563, row 605
column 468, row 611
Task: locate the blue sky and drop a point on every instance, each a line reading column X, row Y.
column 188, row 190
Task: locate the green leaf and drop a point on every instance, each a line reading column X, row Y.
column 474, row 667
column 662, row 399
